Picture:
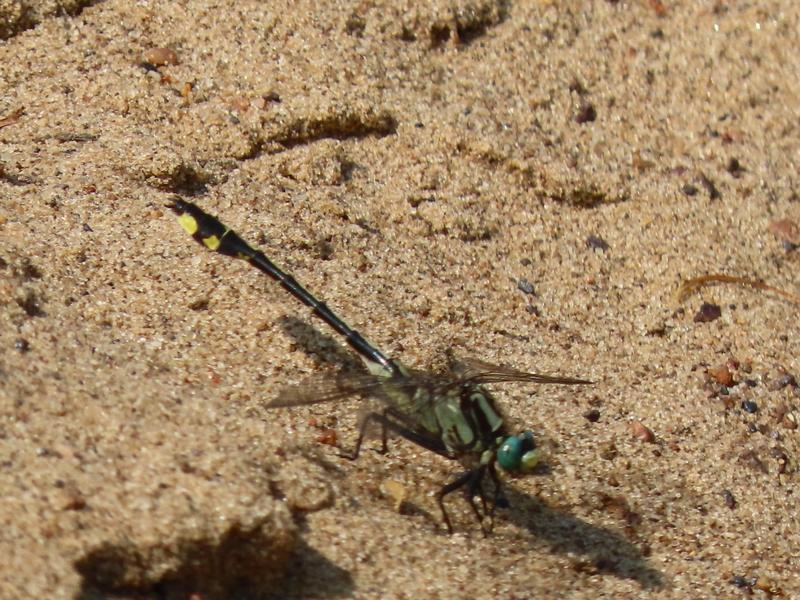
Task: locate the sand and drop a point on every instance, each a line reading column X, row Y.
column 527, row 183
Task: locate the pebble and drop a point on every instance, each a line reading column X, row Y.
column 641, row 431
column 586, row 114
column 396, row 491
column 735, row 168
column 749, row 406
column 767, row 585
column 730, row 501
column 327, row 437
column 593, row 415
column 742, row 582
column 785, row 230
column 525, row 286
column 721, row 374
column 159, row 57
column 707, row 312
column 789, row 420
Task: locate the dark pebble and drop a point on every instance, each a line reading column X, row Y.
column 708, row 312
column 586, row 114
column 22, row 345
column 595, row 242
column 789, row 246
column 593, row 415
column 525, row 286
column 749, row 406
column 735, row 168
column 742, row 582
column 689, row 189
column 730, row 501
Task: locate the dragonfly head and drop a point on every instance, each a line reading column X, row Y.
column 518, row 453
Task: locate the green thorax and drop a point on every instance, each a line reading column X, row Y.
column 463, row 417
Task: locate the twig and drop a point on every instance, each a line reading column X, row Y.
column 12, row 118
column 692, row 285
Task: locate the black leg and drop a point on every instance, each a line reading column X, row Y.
column 362, row 431
column 451, row 487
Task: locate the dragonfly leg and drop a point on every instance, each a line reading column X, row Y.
column 498, row 494
column 475, row 487
column 451, row 487
column 380, row 417
column 472, row 479
column 384, row 436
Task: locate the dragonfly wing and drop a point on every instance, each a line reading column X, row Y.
column 327, row 387
column 477, row 371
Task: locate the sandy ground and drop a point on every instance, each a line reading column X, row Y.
column 523, row 182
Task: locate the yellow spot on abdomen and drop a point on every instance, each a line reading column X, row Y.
column 188, row 222
column 211, row 242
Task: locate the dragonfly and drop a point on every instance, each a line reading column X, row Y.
column 451, row 414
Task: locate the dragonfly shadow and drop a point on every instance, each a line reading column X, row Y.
column 605, row 551
column 324, row 349
column 310, row 575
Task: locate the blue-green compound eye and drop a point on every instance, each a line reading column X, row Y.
column 518, row 453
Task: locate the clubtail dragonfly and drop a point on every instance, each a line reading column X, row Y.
column 451, row 414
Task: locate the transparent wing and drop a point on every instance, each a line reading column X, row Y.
column 473, row 370
column 326, row 387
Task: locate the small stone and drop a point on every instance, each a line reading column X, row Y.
column 730, row 501
column 742, row 582
column 767, row 585
column 779, row 454
column 22, row 345
column 593, row 415
column 396, row 491
column 641, row 431
column 586, row 114
column 689, row 190
column 159, row 57
column 327, row 437
column 749, row 406
column 708, row 312
column 735, row 168
column 525, row 286
column 721, row 374
column 785, row 230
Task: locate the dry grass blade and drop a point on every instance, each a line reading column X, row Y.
column 691, row 285
column 12, row 118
